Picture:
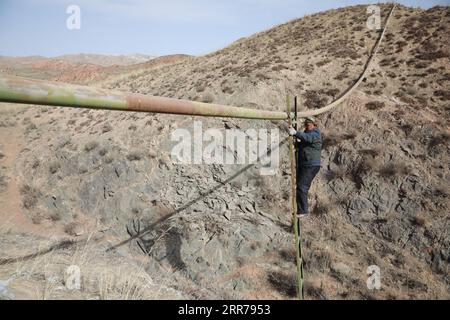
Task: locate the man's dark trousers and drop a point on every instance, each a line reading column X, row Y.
column 305, row 175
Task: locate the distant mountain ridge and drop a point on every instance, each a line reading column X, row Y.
column 107, row 60
column 82, row 58
column 82, row 68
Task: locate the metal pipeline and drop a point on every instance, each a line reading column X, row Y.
column 30, row 91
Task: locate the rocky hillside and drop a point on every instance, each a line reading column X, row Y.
column 381, row 198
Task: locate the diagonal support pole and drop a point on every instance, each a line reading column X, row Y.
column 295, row 220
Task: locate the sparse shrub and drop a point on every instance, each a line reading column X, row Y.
column 132, row 127
column 289, row 255
column 7, row 123
column 444, row 95
column 255, row 245
column 340, row 200
column 73, row 228
column 441, row 191
column 322, row 207
column 445, row 77
column 284, row 283
column 30, row 127
column 228, row 90
column 323, row 62
column 432, row 55
column 404, row 98
column 314, row 99
column 3, row 182
column 30, row 196
column 349, row 135
column 106, row 128
column 341, row 76
column 414, row 284
column 407, row 128
column 391, row 74
column 330, row 140
column 423, row 85
column 362, row 168
column 36, row 218
column 208, row 98
column 343, row 52
column 421, row 65
column 375, row 105
column 136, row 210
column 262, row 76
column 314, row 291
column 441, row 138
column 55, row 216
column 386, row 61
column 337, row 173
column 279, row 67
column 54, row 167
column 134, row 156
column 377, row 92
column 82, row 169
column 91, row 146
column 84, row 123
column 369, row 152
column 308, row 68
column 103, row 151
column 366, row 165
column 419, row 221
column 317, row 260
column 109, row 159
column 394, row 169
column 331, row 92
column 200, row 88
column 400, row 44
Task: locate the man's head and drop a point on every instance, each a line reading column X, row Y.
column 310, row 123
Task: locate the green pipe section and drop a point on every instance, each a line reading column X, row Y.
column 30, row 91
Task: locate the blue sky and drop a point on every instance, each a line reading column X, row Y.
column 38, row 27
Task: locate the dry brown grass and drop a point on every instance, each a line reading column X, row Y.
column 91, row 146
column 135, row 155
column 394, row 169
column 375, row 105
column 30, row 196
column 337, row 173
column 102, row 277
column 54, row 166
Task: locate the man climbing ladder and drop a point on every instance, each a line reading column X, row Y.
column 309, row 147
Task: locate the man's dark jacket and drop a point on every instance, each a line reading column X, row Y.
column 310, row 146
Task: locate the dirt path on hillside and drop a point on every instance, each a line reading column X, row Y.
column 12, row 217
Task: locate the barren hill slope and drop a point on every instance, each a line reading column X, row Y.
column 381, row 198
